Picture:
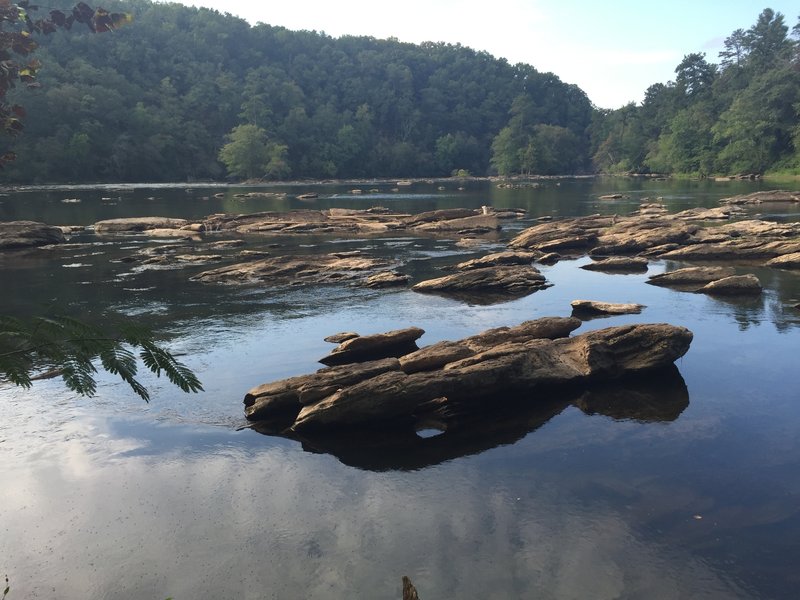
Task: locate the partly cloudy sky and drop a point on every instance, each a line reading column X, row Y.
column 613, row 50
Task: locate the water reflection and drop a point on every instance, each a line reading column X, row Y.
column 472, row 428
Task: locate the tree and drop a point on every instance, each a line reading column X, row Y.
column 66, row 345
column 694, row 75
column 249, row 154
column 16, row 40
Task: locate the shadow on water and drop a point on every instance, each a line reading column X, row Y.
column 445, row 431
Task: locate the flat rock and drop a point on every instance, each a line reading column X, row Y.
column 764, row 196
column 689, row 276
column 338, row 338
column 733, row 286
column 373, row 347
column 787, row 261
column 502, row 278
column 497, row 259
column 593, row 307
column 618, row 264
column 28, row 234
column 294, row 269
column 138, row 224
column 386, row 279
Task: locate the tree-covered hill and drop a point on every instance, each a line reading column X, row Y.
column 739, row 116
column 159, row 99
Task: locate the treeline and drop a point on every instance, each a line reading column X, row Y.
column 159, row 100
column 187, row 94
column 739, row 116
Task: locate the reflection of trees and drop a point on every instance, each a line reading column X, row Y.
column 479, row 425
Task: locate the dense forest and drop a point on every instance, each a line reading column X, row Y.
column 739, row 116
column 186, row 94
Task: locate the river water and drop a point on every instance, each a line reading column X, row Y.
column 661, row 489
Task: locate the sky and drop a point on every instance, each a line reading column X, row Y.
column 613, row 49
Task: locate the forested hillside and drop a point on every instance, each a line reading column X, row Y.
column 740, row 116
column 185, row 94
column 158, row 100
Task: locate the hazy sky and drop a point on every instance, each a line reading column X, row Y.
column 613, row 50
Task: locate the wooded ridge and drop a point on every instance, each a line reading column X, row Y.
column 187, row 94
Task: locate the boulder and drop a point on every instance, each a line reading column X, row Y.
column 373, row 347
column 736, row 285
column 28, row 234
column 593, row 308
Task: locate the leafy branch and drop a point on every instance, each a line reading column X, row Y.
column 72, row 348
column 17, row 29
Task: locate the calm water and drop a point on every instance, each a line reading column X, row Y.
column 676, row 488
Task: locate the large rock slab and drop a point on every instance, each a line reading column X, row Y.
column 503, row 360
column 28, row 234
column 598, row 355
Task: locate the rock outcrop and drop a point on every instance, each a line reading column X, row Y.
column 505, row 361
column 28, row 234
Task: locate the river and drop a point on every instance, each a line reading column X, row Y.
column 693, row 493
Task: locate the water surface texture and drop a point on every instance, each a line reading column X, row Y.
column 678, row 487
